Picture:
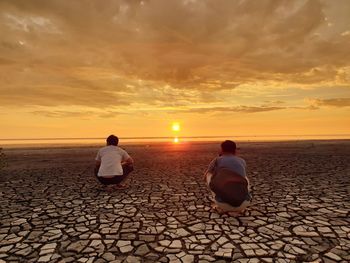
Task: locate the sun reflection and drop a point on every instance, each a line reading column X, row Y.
column 176, row 140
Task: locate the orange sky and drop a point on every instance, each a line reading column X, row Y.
column 92, row 68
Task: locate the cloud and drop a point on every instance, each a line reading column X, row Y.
column 335, row 102
column 112, row 114
column 77, row 114
column 62, row 114
column 53, row 54
column 166, row 107
column 274, row 102
column 59, row 95
column 241, row 108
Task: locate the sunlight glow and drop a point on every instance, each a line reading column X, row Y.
column 176, row 140
column 175, row 126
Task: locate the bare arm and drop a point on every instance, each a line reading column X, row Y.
column 97, row 167
column 210, row 168
column 129, row 160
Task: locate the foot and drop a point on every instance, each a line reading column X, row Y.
column 234, row 214
column 217, row 209
column 221, row 211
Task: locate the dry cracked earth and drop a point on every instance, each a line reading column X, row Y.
column 53, row 209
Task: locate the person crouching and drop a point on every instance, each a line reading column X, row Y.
column 226, row 178
column 113, row 164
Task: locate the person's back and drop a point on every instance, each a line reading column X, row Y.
column 111, row 157
column 232, row 163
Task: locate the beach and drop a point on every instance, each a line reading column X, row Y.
column 54, row 210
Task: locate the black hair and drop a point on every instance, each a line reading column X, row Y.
column 112, row 140
column 228, row 146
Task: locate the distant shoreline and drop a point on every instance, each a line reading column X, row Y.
column 101, row 142
column 313, row 136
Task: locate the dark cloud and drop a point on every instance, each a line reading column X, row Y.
column 59, row 95
column 112, row 114
column 243, row 109
column 335, row 102
column 62, row 114
column 76, row 114
column 274, row 102
column 52, row 53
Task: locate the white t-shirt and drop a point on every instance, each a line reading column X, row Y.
column 111, row 157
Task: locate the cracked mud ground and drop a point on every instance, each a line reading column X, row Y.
column 53, row 209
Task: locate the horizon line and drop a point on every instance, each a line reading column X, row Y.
column 167, row 137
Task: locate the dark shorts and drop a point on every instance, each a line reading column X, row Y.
column 127, row 169
column 249, row 198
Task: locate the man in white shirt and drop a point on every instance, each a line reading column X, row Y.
column 113, row 164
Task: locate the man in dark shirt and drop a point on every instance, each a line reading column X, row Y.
column 227, row 179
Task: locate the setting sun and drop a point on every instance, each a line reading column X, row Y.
column 175, row 126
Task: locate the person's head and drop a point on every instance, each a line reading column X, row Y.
column 228, row 147
column 112, row 140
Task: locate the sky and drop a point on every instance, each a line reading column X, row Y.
column 91, row 68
